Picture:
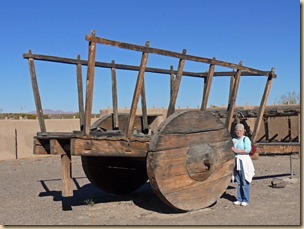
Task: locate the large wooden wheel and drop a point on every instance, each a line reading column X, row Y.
column 190, row 161
column 115, row 175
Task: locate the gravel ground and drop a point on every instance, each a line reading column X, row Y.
column 31, row 195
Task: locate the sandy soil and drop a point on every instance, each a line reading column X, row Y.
column 31, row 195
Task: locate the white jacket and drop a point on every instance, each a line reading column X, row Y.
column 247, row 166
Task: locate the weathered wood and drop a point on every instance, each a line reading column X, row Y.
column 135, row 68
column 189, row 167
column 36, row 93
column 207, row 86
column 109, row 147
column 170, row 54
column 106, row 123
column 270, row 111
column 114, row 97
column 59, row 146
column 261, row 109
column 232, row 82
column 66, row 175
column 80, row 93
column 232, row 99
column 137, row 92
column 144, row 109
column 172, row 79
column 89, row 87
column 278, row 148
column 176, row 85
column 41, row 147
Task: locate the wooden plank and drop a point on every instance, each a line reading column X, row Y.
column 176, row 85
column 207, row 86
column 261, row 109
column 114, row 97
column 80, row 93
column 136, row 68
column 36, row 93
column 278, row 149
column 169, row 53
column 137, row 92
column 108, row 147
column 89, row 87
column 66, row 175
column 232, row 99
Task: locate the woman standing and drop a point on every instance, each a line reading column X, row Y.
column 244, row 169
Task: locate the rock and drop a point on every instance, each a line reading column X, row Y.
column 278, row 183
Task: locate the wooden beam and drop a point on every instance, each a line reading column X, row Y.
column 66, row 175
column 36, row 93
column 89, row 87
column 137, row 93
column 207, row 86
column 176, row 84
column 169, row 53
column 80, row 93
column 136, row 68
column 114, row 97
column 232, row 99
column 261, row 109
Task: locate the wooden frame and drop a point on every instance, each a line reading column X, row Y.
column 86, row 143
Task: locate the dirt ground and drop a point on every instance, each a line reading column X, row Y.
column 31, row 195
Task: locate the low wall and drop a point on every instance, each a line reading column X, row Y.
column 16, row 136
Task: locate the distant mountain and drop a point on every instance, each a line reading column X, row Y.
column 50, row 111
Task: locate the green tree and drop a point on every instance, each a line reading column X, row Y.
column 289, row 98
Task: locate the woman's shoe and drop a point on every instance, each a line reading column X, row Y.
column 244, row 204
column 236, row 202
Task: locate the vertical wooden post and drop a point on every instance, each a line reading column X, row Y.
column 144, row 109
column 232, row 99
column 289, row 129
column 137, row 92
column 66, row 175
column 232, row 82
column 36, row 93
column 262, row 107
column 80, row 92
column 172, row 79
column 114, row 97
column 207, row 86
column 176, row 84
column 266, row 127
column 90, row 85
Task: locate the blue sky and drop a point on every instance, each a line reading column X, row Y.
column 261, row 33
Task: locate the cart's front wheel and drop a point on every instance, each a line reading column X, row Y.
column 190, row 161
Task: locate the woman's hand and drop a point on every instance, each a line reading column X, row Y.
column 233, row 149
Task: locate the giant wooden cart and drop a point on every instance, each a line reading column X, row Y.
column 188, row 159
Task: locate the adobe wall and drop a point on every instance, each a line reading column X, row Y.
column 16, row 136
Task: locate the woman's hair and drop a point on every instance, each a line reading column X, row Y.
column 239, row 127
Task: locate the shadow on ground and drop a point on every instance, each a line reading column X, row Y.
column 144, row 197
column 88, row 194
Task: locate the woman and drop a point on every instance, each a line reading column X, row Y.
column 244, row 169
